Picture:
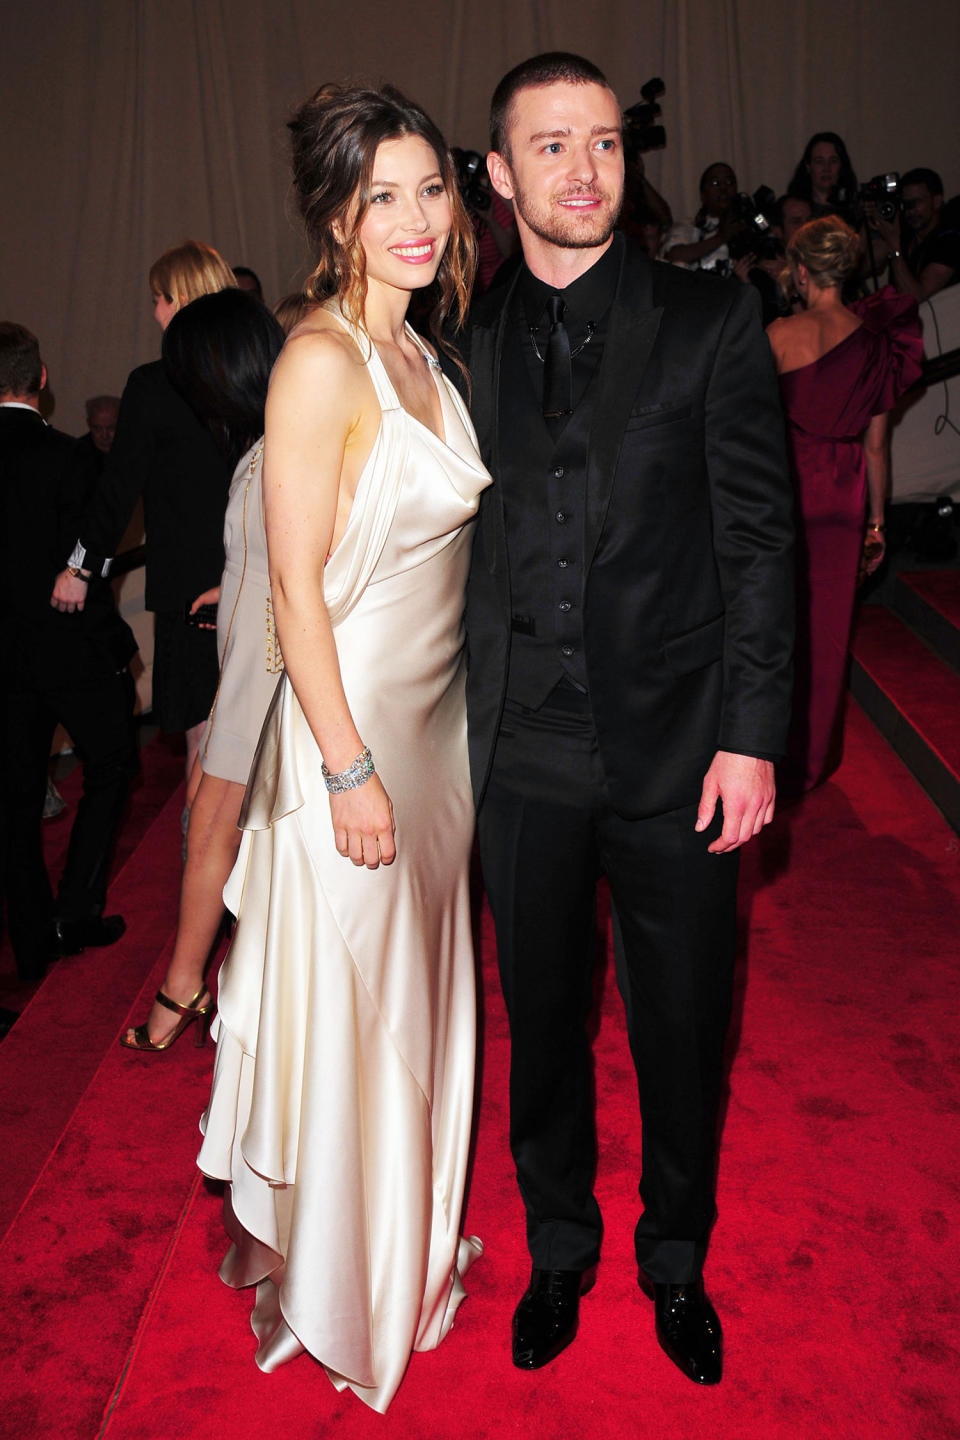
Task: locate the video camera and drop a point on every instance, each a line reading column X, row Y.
column 469, row 166
column 640, row 132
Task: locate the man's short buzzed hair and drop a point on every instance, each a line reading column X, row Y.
column 544, row 69
column 922, row 176
column 21, row 369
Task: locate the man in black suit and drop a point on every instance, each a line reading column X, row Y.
column 629, row 621
column 70, row 669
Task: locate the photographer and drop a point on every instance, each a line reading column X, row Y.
column 825, row 178
column 704, row 244
column 924, row 254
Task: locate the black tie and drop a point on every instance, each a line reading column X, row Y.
column 557, row 382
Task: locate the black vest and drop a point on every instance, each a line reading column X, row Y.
column 543, row 487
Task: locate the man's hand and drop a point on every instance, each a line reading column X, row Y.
column 746, row 787
column 69, row 593
column 890, row 231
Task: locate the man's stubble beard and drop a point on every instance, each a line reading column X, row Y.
column 549, row 226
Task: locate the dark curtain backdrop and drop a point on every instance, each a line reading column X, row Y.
column 129, row 125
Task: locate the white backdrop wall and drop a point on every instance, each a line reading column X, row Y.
column 128, row 125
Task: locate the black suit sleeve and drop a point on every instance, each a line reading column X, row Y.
column 752, row 509
column 121, row 483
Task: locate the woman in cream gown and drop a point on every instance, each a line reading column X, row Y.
column 342, row 1097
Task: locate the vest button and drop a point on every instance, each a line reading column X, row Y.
column 558, row 472
column 562, row 564
column 566, row 650
column 564, row 606
column 561, row 517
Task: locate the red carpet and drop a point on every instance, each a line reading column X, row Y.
column 835, row 1260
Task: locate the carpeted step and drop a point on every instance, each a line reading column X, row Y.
column 929, row 601
column 49, row 1057
column 913, row 698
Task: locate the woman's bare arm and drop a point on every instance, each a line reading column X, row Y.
column 321, row 410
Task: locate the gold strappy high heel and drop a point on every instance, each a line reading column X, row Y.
column 188, row 1013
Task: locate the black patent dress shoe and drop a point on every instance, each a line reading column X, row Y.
column 688, row 1330
column 545, row 1321
column 72, row 936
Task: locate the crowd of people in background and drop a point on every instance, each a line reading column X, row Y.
column 164, row 451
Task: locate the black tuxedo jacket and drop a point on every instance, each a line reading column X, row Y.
column 44, row 487
column 164, row 453
column 688, row 587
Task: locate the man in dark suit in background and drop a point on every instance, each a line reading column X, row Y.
column 70, row 669
column 629, row 620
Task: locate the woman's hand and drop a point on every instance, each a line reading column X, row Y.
column 209, row 597
column 363, row 825
column 874, row 549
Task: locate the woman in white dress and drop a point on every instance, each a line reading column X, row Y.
column 341, row 1106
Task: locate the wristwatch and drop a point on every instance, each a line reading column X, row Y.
column 77, row 573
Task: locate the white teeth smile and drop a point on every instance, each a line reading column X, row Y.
column 414, row 251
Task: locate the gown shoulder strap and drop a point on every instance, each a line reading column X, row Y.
column 386, row 394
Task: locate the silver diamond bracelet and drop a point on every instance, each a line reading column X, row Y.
column 351, row 779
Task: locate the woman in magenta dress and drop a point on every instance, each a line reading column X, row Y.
column 841, row 370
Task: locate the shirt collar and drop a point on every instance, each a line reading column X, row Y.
column 589, row 297
column 19, row 405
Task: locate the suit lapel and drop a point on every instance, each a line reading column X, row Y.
column 634, row 325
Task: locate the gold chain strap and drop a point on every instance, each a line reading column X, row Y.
column 274, row 657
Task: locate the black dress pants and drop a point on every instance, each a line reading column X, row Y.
column 98, row 713
column 547, row 830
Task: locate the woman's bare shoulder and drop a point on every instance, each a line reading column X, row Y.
column 779, row 333
column 321, row 347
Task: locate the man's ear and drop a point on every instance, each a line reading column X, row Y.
column 43, row 377
column 500, row 177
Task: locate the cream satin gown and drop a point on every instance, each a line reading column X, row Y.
column 342, row 1094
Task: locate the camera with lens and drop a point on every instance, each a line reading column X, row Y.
column 470, row 169
column 640, row 131
column 884, row 192
column 754, row 238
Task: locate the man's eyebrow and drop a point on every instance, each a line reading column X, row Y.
column 565, row 131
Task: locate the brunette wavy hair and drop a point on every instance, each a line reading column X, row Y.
column 336, row 134
column 802, row 185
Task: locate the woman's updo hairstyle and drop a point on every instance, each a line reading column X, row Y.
column 336, row 134
column 828, row 248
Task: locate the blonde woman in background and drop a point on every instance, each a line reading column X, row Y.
column 163, row 454
column 841, row 369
